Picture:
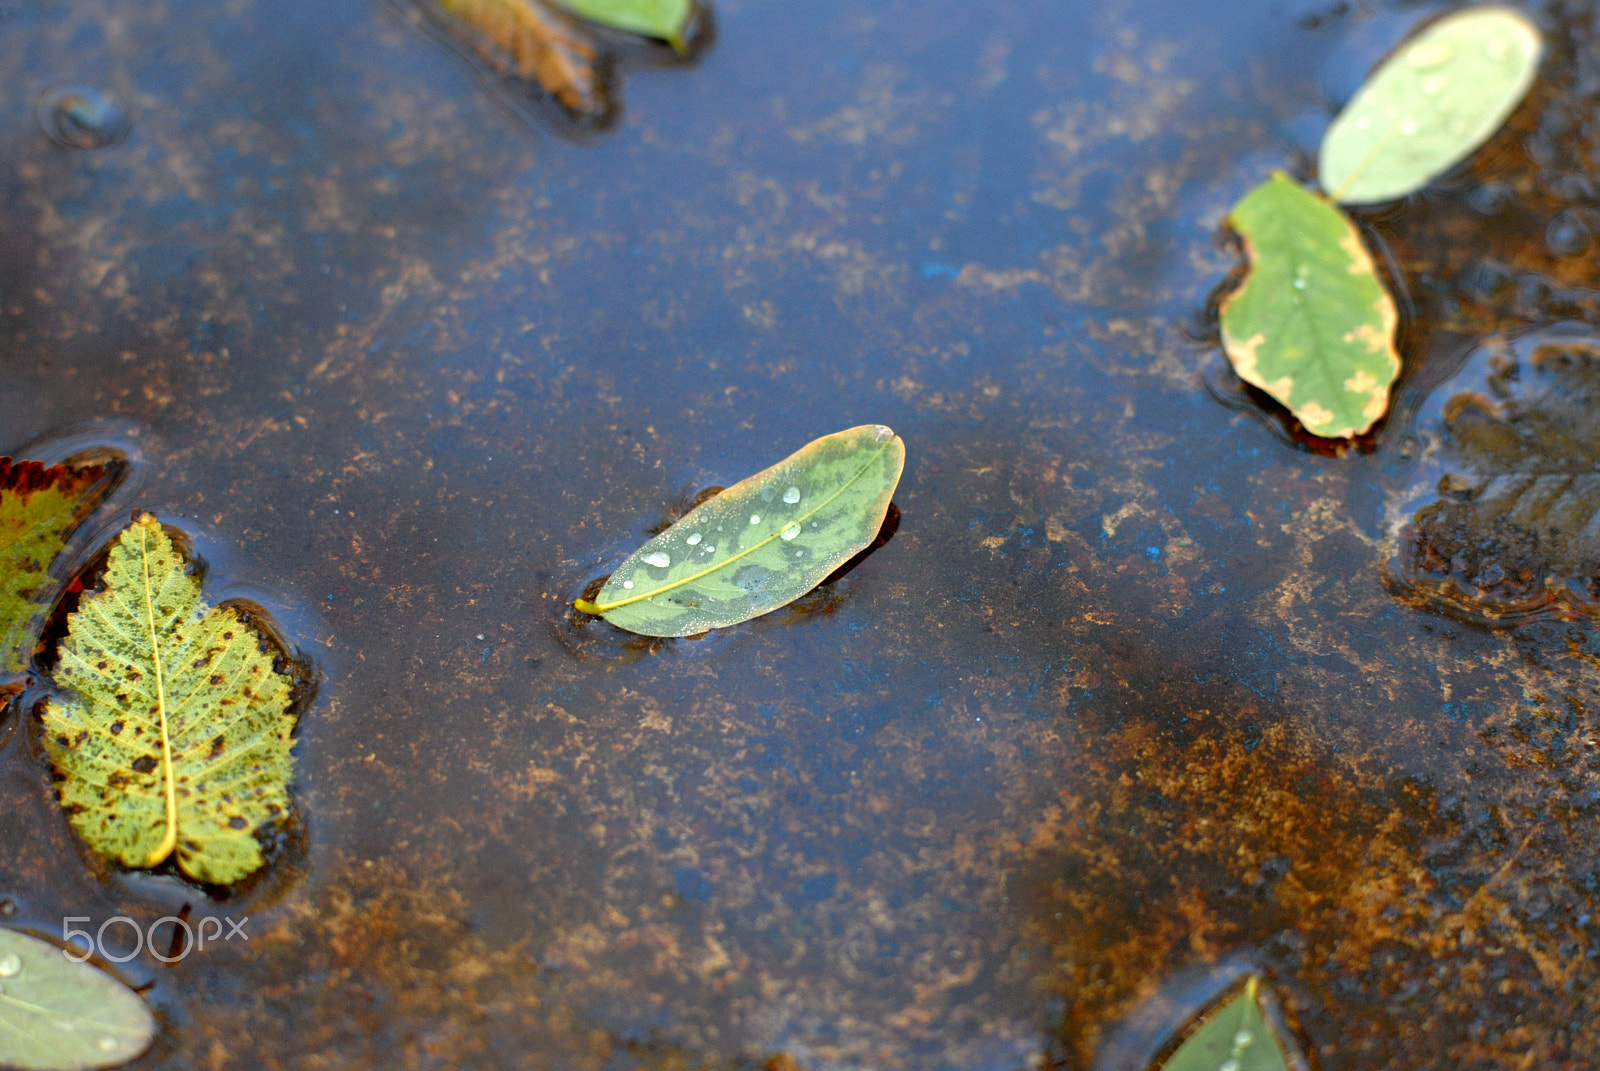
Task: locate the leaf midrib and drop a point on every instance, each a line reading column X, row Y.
column 603, row 607
column 169, row 841
column 55, row 1013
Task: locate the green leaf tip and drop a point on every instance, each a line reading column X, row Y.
column 1311, row 324
column 663, row 19
column 1235, row 1035
column 172, row 729
column 1439, row 97
column 760, row 544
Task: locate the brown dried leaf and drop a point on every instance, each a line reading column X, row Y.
column 537, row 43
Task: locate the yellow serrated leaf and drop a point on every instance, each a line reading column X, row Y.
column 172, row 730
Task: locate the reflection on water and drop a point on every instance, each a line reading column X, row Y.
column 1128, row 699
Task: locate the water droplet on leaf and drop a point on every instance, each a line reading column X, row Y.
column 755, row 518
column 790, row 530
column 10, row 965
column 694, row 540
column 792, row 495
column 659, row 559
column 628, row 584
column 1430, row 54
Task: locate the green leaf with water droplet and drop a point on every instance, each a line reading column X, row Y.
column 57, row 1014
column 171, row 732
column 1234, row 1037
column 760, row 544
column 39, row 510
column 1430, row 105
column 1311, row 325
column 664, row 19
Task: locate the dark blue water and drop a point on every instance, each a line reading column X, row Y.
column 1123, row 709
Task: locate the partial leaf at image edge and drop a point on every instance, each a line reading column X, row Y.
column 1236, row 1036
column 172, row 730
column 39, row 510
column 1430, row 105
column 1311, row 324
column 57, row 1014
column 663, row 19
column 541, row 46
column 760, row 544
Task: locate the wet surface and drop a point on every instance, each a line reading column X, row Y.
column 1124, row 709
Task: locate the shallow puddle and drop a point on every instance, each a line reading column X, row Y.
column 1123, row 711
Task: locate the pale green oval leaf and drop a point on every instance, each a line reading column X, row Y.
column 1235, row 1037
column 762, row 543
column 1311, row 325
column 1430, row 105
column 57, row 1014
column 172, row 730
column 665, row 19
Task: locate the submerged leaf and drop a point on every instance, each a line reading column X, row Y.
column 539, row 44
column 39, row 510
column 1311, row 325
column 172, row 734
column 665, row 19
column 1235, row 1037
column 1513, row 525
column 762, row 543
column 58, row 1014
column 1443, row 94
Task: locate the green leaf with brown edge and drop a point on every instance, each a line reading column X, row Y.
column 1234, row 1037
column 171, row 732
column 760, row 544
column 664, row 19
column 1311, row 324
column 40, row 508
column 63, row 1014
column 1430, row 105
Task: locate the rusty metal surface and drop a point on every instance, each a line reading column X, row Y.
column 1125, row 707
